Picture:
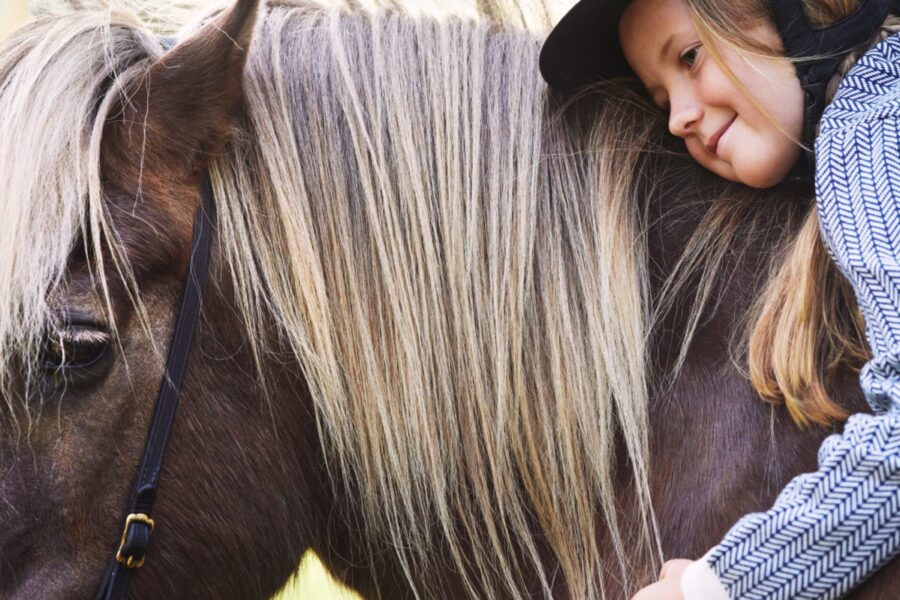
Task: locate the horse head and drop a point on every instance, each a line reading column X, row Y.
column 100, row 191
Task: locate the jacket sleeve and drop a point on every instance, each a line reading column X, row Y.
column 830, row 529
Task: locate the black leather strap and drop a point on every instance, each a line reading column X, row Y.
column 138, row 526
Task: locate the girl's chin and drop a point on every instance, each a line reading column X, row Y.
column 723, row 170
column 766, row 178
column 759, row 182
column 752, row 174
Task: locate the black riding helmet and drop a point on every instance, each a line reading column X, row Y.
column 584, row 48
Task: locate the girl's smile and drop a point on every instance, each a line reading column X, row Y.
column 713, row 144
column 722, row 128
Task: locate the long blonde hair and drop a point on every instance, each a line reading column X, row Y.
column 806, row 326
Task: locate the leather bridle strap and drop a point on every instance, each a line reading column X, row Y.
column 139, row 524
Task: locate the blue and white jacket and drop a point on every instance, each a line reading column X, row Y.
column 830, row 529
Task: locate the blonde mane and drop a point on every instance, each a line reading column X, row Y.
column 459, row 278
column 459, row 271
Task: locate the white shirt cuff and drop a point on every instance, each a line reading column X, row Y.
column 699, row 582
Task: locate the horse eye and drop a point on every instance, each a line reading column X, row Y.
column 74, row 347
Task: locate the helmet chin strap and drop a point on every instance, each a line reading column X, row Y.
column 834, row 42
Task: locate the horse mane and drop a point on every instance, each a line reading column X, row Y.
column 459, row 272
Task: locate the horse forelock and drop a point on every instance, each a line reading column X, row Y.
column 60, row 77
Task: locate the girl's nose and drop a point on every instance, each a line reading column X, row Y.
column 684, row 116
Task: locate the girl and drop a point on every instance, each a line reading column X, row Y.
column 728, row 75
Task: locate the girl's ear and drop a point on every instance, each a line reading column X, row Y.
column 183, row 110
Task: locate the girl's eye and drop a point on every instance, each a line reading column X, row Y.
column 690, row 56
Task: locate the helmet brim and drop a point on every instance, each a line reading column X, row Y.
column 584, row 46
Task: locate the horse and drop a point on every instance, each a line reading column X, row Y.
column 426, row 348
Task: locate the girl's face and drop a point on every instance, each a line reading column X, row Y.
column 721, row 127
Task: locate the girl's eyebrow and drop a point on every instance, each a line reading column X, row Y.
column 666, row 47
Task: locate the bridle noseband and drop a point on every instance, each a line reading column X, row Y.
column 139, row 524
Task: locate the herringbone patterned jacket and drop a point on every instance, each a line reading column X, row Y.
column 830, row 529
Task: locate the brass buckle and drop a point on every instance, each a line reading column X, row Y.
column 133, row 518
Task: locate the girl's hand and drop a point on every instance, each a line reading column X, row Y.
column 669, row 585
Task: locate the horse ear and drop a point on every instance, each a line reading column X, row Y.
column 187, row 103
